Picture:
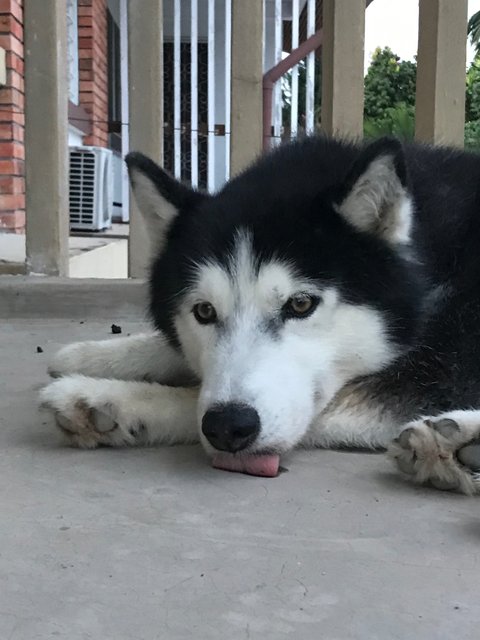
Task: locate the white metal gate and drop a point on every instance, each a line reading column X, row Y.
column 197, row 49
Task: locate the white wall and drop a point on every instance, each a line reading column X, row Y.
column 75, row 136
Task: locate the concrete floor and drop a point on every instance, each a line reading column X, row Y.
column 101, row 254
column 153, row 544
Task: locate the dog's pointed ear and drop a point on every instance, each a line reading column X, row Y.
column 159, row 197
column 375, row 198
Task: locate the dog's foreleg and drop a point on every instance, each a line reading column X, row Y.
column 442, row 450
column 143, row 357
column 92, row 412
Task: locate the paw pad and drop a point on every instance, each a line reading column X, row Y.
column 404, row 438
column 445, row 426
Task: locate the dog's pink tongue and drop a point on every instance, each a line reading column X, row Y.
column 262, row 465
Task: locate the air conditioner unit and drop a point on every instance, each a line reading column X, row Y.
column 91, row 188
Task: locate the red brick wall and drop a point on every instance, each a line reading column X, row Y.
column 92, row 45
column 12, row 120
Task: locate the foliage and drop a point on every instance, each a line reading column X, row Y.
column 398, row 121
column 472, row 96
column 389, row 83
column 472, row 135
column 474, row 31
column 472, row 105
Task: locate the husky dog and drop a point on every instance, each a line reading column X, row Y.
column 329, row 296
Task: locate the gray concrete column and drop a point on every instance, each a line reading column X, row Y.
column 440, row 98
column 342, row 67
column 46, row 138
column 145, row 57
column 247, row 75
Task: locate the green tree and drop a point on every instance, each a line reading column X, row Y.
column 472, row 95
column 472, row 106
column 472, row 135
column 390, row 96
column 474, row 31
column 397, row 121
column 388, row 83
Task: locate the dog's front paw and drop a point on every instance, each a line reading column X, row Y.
column 443, row 451
column 89, row 413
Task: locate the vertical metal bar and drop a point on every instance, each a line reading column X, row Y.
column 310, row 89
column 177, row 97
column 46, row 145
column 124, row 107
column 228, row 83
column 294, row 84
column 277, row 91
column 211, row 96
column 194, row 91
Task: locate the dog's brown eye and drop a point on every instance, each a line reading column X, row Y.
column 204, row 313
column 300, row 306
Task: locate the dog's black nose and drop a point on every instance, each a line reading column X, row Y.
column 231, row 427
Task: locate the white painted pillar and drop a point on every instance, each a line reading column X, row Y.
column 46, row 137
column 342, row 67
column 440, row 98
column 145, row 54
column 246, row 136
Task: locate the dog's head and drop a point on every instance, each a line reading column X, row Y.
column 283, row 286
